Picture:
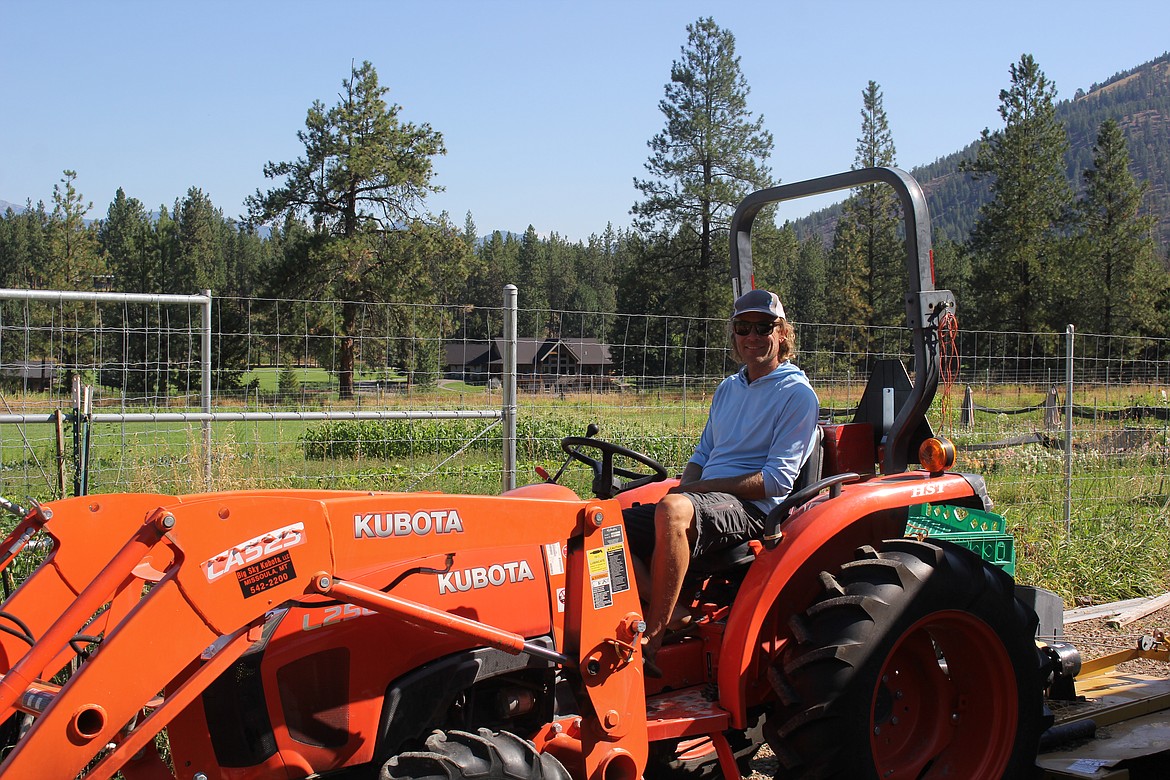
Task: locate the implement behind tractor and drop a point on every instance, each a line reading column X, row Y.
column 298, row 634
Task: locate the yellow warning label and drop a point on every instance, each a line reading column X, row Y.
column 598, row 562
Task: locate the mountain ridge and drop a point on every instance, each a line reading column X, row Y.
column 1139, row 99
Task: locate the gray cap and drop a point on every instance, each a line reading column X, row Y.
column 762, row 301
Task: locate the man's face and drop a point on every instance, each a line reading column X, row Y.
column 760, row 353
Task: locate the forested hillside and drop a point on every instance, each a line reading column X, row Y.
column 1138, row 99
column 1061, row 216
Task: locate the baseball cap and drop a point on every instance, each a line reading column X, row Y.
column 761, row 301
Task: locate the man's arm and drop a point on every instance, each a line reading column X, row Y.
column 744, row 486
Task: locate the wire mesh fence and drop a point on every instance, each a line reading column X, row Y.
column 646, row 380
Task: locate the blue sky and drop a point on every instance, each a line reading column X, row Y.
column 546, row 107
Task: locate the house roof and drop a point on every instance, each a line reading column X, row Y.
column 463, row 353
column 586, row 352
column 583, row 352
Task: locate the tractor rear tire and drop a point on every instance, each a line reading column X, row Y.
column 485, row 755
column 916, row 661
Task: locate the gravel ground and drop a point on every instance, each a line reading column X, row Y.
column 1092, row 637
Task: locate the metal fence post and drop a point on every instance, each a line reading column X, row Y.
column 78, row 418
column 1068, row 423
column 509, row 386
column 206, row 394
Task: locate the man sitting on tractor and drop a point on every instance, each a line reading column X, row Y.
column 760, row 430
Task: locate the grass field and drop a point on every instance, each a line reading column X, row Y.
column 1116, row 546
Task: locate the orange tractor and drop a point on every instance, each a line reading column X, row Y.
column 291, row 634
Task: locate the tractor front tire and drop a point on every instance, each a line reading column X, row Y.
column 916, row 661
column 485, row 755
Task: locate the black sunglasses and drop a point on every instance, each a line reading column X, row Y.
column 743, row 327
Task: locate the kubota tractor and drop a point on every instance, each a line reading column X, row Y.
column 291, row 634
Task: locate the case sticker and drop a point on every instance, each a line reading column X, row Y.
column 246, row 555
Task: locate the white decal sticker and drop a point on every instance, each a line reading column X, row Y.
column 482, row 576
column 254, row 549
column 928, row 489
column 421, row 523
column 333, row 614
column 556, row 563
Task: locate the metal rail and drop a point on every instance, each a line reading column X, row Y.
column 925, row 305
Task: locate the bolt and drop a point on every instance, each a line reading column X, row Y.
column 894, row 721
column 199, row 776
column 46, row 513
column 954, row 719
column 877, row 730
column 167, row 521
column 324, row 582
column 593, row 667
column 598, row 519
column 612, row 719
column 640, row 627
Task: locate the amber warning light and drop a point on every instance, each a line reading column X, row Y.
column 936, row 455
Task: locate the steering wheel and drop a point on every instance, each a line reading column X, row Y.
column 605, row 475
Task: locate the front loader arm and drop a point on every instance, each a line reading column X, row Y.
column 83, row 534
column 197, row 579
column 223, row 578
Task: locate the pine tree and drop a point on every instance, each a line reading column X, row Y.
column 532, row 295
column 73, row 261
column 711, row 153
column 874, row 259
column 775, row 256
column 288, row 382
column 1015, row 244
column 201, row 234
column 1119, row 280
column 129, row 244
column 850, row 273
column 809, row 283
column 126, row 240
column 24, row 247
column 364, row 178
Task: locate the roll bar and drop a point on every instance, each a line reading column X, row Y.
column 925, row 305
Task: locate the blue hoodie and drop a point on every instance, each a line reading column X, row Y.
column 768, row 426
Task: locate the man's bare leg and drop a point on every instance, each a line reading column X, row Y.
column 674, row 531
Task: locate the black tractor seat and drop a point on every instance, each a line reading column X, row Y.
column 721, row 561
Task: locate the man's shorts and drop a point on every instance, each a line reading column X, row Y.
column 721, row 520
